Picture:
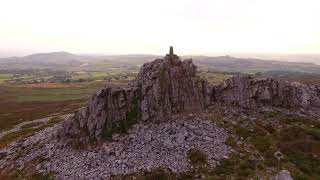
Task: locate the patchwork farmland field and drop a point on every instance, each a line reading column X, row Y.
column 21, row 103
column 4, row 77
column 29, row 102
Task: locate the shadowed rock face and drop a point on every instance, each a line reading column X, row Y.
column 169, row 86
column 108, row 109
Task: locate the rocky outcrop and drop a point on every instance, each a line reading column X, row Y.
column 146, row 147
column 250, row 92
column 109, row 109
column 163, row 87
column 169, row 86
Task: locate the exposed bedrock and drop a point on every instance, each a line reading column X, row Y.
column 169, row 86
column 250, row 92
column 163, row 87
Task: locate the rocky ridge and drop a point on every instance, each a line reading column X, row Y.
column 250, row 92
column 169, row 86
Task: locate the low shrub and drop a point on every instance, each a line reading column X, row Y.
column 262, row 143
column 197, row 157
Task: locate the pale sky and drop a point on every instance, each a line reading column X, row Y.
column 150, row 26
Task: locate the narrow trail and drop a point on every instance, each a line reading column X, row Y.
column 18, row 126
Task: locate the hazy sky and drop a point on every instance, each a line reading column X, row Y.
column 150, row 26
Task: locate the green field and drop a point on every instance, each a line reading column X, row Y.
column 4, row 77
column 34, row 93
column 89, row 75
column 24, row 103
column 50, row 94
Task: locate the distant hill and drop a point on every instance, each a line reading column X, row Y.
column 53, row 57
column 72, row 62
column 233, row 64
column 53, row 60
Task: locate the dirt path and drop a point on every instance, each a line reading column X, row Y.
column 18, row 126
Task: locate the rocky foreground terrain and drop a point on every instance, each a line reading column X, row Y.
column 145, row 147
column 170, row 120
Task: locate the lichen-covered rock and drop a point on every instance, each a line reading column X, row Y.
column 250, row 92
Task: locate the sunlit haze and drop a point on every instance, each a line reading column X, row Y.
column 149, row 26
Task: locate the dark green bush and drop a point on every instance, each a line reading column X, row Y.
column 243, row 132
column 197, row 157
column 262, row 143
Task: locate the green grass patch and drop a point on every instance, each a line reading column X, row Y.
column 31, row 125
column 27, row 175
column 305, row 163
column 4, row 77
column 271, row 114
column 314, row 132
column 262, row 143
column 41, row 176
column 27, row 130
column 293, row 133
column 49, row 94
column 236, row 167
column 14, row 113
column 197, row 157
column 19, row 104
column 55, row 120
column 231, row 141
column 243, row 132
column 7, row 139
